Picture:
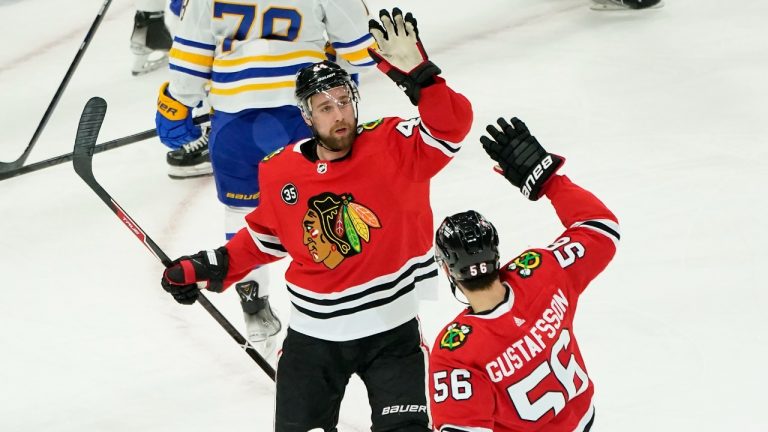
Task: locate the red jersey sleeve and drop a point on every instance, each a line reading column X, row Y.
column 422, row 146
column 592, row 233
column 256, row 244
column 461, row 398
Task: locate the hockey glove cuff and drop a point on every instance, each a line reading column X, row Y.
column 174, row 121
column 520, row 157
column 400, row 53
column 181, row 277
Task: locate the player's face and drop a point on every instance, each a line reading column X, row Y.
column 333, row 117
column 314, row 239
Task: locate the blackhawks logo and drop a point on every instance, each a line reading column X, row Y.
column 273, row 154
column 335, row 228
column 370, row 125
column 525, row 263
column 455, row 335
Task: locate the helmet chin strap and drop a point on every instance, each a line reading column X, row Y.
column 454, row 287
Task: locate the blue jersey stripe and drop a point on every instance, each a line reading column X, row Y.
column 194, row 44
column 206, row 75
column 357, row 41
column 262, row 72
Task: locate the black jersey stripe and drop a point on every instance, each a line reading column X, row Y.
column 603, row 227
column 370, row 305
column 273, row 246
column 372, row 290
column 442, row 143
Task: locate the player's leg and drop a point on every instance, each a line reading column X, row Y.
column 238, row 143
column 150, row 40
column 312, row 375
column 395, row 377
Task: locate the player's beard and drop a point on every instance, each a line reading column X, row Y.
column 338, row 143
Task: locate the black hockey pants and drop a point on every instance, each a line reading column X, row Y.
column 312, row 375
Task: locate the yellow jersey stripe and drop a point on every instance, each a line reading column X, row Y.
column 267, row 58
column 198, row 59
column 356, row 55
column 252, row 87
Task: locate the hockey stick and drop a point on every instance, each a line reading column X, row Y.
column 8, row 166
column 85, row 140
column 98, row 148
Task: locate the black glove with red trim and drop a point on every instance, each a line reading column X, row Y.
column 520, row 157
column 181, row 277
column 400, row 54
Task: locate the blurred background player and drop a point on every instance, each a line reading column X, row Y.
column 510, row 362
column 625, row 4
column 244, row 58
column 150, row 40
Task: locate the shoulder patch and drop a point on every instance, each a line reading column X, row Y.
column 273, row 154
column 455, row 336
column 371, row 124
column 525, row 264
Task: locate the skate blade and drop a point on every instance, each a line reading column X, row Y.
column 143, row 63
column 181, row 173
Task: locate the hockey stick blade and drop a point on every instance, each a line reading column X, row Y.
column 98, row 148
column 18, row 163
column 82, row 160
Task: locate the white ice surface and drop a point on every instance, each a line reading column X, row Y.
column 660, row 113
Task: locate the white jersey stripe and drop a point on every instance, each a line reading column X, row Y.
column 605, row 227
column 446, row 147
column 268, row 244
column 586, row 420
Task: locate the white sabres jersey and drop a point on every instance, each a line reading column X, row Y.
column 249, row 51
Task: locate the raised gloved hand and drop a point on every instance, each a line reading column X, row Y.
column 174, row 121
column 520, row 157
column 400, row 54
column 181, row 277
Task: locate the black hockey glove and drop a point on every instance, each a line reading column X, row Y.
column 181, row 277
column 522, row 160
column 400, row 54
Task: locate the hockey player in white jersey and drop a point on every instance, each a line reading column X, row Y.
column 243, row 56
column 150, row 39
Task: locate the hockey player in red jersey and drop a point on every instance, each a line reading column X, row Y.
column 350, row 206
column 510, row 361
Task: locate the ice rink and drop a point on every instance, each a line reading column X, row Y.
column 661, row 113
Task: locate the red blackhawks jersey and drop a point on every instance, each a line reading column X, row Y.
column 518, row 367
column 358, row 229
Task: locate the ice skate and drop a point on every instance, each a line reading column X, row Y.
column 150, row 42
column 261, row 323
column 191, row 160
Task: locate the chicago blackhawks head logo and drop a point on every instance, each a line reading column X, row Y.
column 335, row 227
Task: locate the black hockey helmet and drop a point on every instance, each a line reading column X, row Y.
column 320, row 77
column 468, row 244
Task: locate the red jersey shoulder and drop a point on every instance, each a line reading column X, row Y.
column 403, row 128
column 533, row 264
column 454, row 336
